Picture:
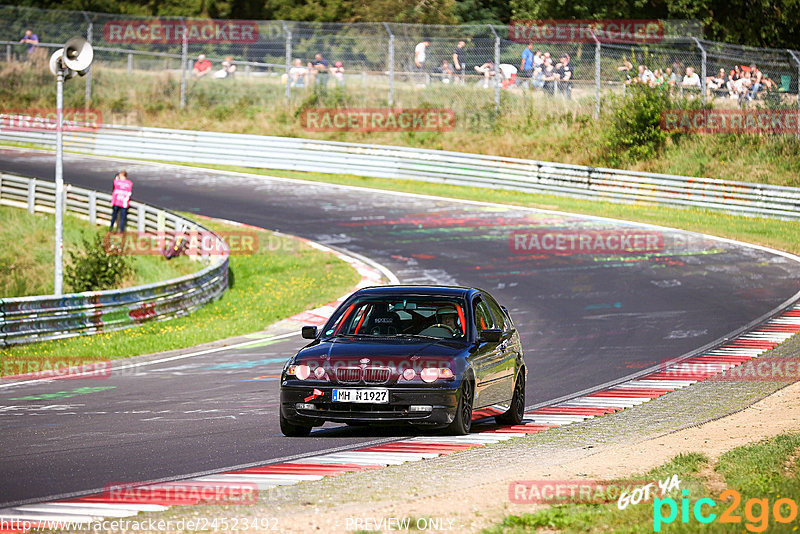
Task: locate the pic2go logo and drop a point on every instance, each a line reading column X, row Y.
column 756, row 511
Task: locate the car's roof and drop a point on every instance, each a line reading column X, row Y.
column 445, row 291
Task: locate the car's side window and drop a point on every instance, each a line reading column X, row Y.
column 483, row 317
column 499, row 317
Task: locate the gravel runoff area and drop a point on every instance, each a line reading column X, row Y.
column 468, row 491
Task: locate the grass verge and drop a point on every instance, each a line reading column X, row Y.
column 760, row 474
column 783, row 235
column 284, row 277
column 26, row 254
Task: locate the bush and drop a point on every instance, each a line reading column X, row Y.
column 635, row 133
column 92, row 268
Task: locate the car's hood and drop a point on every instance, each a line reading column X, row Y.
column 384, row 351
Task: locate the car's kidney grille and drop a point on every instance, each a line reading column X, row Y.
column 370, row 375
column 377, row 375
column 348, row 374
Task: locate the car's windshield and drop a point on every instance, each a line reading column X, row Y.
column 384, row 315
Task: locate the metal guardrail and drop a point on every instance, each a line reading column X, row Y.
column 38, row 318
column 384, row 161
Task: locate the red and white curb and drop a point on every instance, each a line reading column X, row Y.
column 631, row 393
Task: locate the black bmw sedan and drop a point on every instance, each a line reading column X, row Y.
column 434, row 356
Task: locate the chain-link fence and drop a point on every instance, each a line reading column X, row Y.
column 469, row 69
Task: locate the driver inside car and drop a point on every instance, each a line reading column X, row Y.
column 449, row 318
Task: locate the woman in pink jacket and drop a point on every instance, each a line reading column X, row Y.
column 120, row 199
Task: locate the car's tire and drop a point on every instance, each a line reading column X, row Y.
column 516, row 411
column 463, row 420
column 294, row 431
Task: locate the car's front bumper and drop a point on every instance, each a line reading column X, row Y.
column 442, row 400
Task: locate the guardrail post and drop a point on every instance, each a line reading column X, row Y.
column 140, row 218
column 184, row 59
column 797, row 60
column 702, row 68
column 597, row 52
column 92, row 207
column 130, row 63
column 288, row 61
column 8, row 53
column 247, row 72
column 390, row 61
column 160, row 222
column 496, row 69
column 32, row 196
column 89, row 29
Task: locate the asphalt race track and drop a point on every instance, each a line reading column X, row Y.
column 585, row 319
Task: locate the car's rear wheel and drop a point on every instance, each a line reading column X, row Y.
column 292, row 430
column 463, row 420
column 516, row 411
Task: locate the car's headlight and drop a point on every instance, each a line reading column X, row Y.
column 431, row 374
column 301, row 372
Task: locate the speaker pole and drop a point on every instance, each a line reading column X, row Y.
column 59, row 249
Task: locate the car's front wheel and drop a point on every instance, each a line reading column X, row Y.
column 463, row 420
column 292, row 430
column 516, row 411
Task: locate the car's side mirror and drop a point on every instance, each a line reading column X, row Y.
column 491, row 335
column 309, row 332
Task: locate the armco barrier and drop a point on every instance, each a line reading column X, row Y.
column 383, row 161
column 29, row 319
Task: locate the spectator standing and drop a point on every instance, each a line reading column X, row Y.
column 564, row 72
column 338, row 73
column 202, row 66
column 32, row 40
column 549, row 77
column 459, row 61
column 120, row 200
column 419, row 59
column 322, row 69
column 526, row 65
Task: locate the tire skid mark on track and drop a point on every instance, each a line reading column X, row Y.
column 158, row 497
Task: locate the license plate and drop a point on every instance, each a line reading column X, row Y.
column 369, row 395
